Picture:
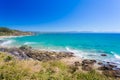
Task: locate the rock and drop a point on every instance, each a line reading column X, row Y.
column 25, row 47
column 87, row 61
column 103, row 54
column 87, row 67
column 112, row 73
column 77, row 63
column 100, row 63
column 25, row 52
column 107, row 67
column 87, row 64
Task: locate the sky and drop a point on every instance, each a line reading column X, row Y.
column 61, row 15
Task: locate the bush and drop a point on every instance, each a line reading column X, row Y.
column 8, row 58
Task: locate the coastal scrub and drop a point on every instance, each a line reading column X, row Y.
column 13, row 69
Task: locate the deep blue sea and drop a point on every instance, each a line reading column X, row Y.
column 86, row 45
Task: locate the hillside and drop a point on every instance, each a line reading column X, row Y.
column 9, row 32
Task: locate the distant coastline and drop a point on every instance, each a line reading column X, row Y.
column 9, row 32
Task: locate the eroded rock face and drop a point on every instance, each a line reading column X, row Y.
column 87, row 64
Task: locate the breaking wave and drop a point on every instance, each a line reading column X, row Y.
column 6, row 42
column 117, row 56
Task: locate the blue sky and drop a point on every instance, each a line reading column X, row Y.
column 61, row 15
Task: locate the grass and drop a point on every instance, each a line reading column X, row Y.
column 14, row 69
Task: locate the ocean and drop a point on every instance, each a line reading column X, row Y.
column 85, row 45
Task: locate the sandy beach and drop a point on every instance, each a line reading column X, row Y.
column 1, row 37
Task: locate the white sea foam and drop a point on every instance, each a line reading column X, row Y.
column 78, row 53
column 6, row 43
column 117, row 56
column 114, row 58
column 83, row 53
column 28, row 43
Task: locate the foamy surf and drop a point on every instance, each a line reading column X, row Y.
column 117, row 56
column 6, row 42
column 29, row 43
column 73, row 51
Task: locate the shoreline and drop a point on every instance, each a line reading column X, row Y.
column 3, row 37
column 38, row 49
column 69, row 58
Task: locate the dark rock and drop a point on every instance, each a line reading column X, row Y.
column 100, row 63
column 77, row 63
column 25, row 47
column 107, row 67
column 112, row 73
column 87, row 64
column 87, row 67
column 25, row 52
column 103, row 54
column 87, row 61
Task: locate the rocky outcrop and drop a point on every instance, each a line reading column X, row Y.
column 110, row 70
column 112, row 73
column 46, row 55
column 26, row 52
column 87, row 64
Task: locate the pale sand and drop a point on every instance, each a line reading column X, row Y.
column 1, row 37
column 71, row 60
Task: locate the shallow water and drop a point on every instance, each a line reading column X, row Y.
column 86, row 45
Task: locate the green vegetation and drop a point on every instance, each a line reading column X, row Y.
column 6, row 32
column 14, row 69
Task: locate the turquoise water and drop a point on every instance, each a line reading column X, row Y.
column 86, row 45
